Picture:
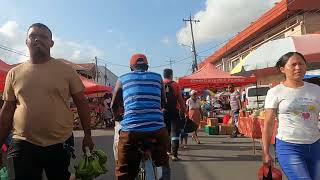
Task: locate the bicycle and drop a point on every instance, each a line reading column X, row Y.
column 96, row 121
column 147, row 169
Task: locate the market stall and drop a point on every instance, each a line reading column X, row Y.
column 92, row 87
column 209, row 76
column 252, row 125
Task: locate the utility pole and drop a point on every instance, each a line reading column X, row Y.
column 171, row 62
column 105, row 74
column 97, row 73
column 195, row 63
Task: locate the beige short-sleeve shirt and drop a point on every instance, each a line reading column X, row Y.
column 42, row 93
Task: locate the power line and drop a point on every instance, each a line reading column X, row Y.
column 12, row 50
column 189, row 68
column 110, row 63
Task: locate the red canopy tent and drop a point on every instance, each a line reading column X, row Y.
column 92, row 87
column 209, row 76
column 4, row 68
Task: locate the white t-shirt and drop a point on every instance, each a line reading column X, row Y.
column 193, row 104
column 298, row 112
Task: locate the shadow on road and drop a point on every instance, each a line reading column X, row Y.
column 221, row 158
column 219, row 147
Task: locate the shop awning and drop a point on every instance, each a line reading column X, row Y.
column 268, row 54
column 92, row 87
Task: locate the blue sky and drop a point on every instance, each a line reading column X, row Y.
column 114, row 30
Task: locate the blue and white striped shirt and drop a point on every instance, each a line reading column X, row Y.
column 142, row 101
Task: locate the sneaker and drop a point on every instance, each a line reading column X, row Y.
column 169, row 153
column 175, row 158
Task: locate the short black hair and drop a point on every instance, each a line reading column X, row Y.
column 42, row 26
column 167, row 73
column 285, row 58
column 141, row 67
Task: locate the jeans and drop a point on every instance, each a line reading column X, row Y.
column 235, row 116
column 299, row 161
column 173, row 125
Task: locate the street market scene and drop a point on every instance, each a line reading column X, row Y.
column 111, row 90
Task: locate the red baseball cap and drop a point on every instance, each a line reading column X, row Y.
column 138, row 59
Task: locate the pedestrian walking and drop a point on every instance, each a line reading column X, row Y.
column 174, row 103
column 296, row 105
column 194, row 112
column 36, row 110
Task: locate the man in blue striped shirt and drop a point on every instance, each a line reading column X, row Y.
column 142, row 95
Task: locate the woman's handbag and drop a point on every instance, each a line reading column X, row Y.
column 190, row 126
column 266, row 172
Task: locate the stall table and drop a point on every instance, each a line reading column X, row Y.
column 252, row 127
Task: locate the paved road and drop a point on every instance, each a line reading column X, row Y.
column 218, row 158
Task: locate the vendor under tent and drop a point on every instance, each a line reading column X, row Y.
column 209, row 76
column 92, row 87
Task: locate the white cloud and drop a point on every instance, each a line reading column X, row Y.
column 9, row 29
column 11, row 36
column 76, row 52
column 166, row 40
column 223, row 18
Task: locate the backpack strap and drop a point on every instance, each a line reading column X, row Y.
column 169, row 83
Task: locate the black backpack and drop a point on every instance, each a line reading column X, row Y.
column 170, row 97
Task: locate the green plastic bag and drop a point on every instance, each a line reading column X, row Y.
column 4, row 174
column 91, row 165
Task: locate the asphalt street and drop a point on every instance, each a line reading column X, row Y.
column 216, row 158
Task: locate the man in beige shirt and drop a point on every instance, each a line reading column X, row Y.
column 36, row 110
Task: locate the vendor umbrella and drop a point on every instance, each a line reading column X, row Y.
column 268, row 54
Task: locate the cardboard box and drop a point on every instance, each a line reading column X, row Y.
column 202, row 124
column 212, row 122
column 211, row 130
column 225, row 129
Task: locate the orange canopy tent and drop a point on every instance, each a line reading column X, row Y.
column 209, row 76
column 92, row 87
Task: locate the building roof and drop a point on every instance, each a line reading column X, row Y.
column 74, row 65
column 269, row 19
column 88, row 66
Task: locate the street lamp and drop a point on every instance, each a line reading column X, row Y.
column 189, row 46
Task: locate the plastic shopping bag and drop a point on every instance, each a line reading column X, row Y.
column 4, row 174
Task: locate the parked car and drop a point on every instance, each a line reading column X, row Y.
column 255, row 96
